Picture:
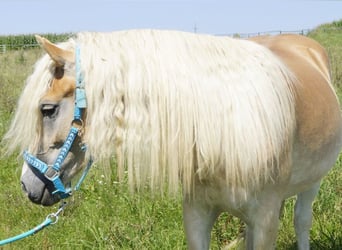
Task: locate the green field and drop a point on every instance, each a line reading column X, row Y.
column 104, row 215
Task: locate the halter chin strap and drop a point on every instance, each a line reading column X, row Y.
column 52, row 172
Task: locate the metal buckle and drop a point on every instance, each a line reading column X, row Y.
column 51, row 174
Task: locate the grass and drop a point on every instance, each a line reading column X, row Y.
column 104, row 215
column 330, row 36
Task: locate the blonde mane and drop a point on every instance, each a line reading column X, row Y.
column 172, row 106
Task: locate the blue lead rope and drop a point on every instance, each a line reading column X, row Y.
column 50, row 220
column 46, row 223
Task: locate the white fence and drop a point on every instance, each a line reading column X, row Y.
column 271, row 32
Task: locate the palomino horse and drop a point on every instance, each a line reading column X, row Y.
column 242, row 126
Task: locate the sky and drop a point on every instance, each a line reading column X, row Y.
column 201, row 16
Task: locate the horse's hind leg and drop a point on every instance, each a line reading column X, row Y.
column 199, row 219
column 303, row 216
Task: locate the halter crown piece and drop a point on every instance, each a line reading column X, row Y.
column 52, row 172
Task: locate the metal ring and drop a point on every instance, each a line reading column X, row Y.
column 78, row 122
column 53, row 217
column 79, row 125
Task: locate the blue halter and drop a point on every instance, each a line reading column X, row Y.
column 52, row 172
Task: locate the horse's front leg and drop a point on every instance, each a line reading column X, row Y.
column 199, row 218
column 263, row 221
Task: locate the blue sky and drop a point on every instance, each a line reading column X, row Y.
column 213, row 17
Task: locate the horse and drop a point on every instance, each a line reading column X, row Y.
column 241, row 124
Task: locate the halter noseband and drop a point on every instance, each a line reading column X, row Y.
column 52, row 172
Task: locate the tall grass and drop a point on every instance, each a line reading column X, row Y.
column 104, row 215
column 330, row 36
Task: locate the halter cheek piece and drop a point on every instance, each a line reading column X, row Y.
column 52, row 172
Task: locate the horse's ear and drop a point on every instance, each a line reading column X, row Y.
column 59, row 55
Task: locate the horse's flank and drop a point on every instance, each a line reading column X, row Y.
column 173, row 107
column 310, row 63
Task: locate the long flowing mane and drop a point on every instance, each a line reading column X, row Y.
column 173, row 106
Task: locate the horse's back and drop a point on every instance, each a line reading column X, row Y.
column 318, row 134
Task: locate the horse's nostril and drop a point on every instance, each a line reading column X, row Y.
column 23, row 187
column 32, row 196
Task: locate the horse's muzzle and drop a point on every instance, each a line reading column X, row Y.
column 37, row 189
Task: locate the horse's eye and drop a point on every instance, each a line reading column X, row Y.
column 49, row 110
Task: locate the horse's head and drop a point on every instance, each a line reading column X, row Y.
column 56, row 111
